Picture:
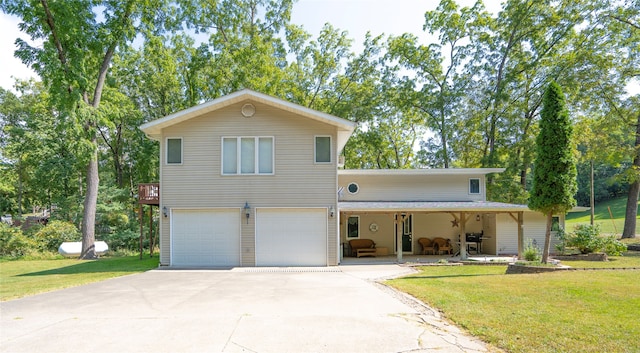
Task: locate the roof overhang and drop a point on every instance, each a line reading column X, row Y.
column 430, row 206
column 153, row 129
column 435, row 171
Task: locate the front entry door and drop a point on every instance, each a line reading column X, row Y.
column 407, row 233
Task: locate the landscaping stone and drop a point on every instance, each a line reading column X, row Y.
column 519, row 269
column 633, row 247
column 582, row 257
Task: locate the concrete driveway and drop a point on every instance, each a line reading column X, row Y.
column 333, row 309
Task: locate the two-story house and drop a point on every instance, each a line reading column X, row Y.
column 252, row 180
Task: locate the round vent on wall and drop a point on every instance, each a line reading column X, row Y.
column 248, row 110
column 353, row 188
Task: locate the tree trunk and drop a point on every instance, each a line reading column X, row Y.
column 90, row 203
column 592, row 198
column 20, row 189
column 631, row 215
column 547, row 238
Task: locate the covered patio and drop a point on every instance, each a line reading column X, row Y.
column 422, row 259
column 394, row 225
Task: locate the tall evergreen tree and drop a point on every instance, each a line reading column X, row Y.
column 554, row 174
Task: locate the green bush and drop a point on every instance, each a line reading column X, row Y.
column 531, row 252
column 125, row 239
column 13, row 243
column 586, row 238
column 612, row 246
column 55, row 233
column 561, row 246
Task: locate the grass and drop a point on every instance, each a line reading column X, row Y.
column 602, row 217
column 567, row 311
column 19, row 278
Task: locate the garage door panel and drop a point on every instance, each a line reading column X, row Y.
column 287, row 237
column 205, row 238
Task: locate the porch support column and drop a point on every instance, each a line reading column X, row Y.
column 150, row 230
column 520, row 234
column 520, row 221
column 463, row 236
column 399, row 220
column 140, row 214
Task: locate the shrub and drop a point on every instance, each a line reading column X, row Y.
column 561, row 235
column 55, row 233
column 531, row 252
column 612, row 246
column 125, row 239
column 13, row 243
column 586, row 238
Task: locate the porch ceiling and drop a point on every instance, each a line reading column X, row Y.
column 429, row 206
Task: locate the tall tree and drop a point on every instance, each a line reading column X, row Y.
column 554, row 173
column 439, row 83
column 38, row 148
column 80, row 38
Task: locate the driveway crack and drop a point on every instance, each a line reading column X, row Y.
column 229, row 340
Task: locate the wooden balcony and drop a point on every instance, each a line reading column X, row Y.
column 149, row 194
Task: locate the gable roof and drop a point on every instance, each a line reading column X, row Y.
column 153, row 129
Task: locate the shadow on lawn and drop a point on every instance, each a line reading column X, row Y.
column 453, row 276
column 128, row 264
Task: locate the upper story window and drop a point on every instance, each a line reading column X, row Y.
column 474, row 186
column 247, row 155
column 323, row 149
column 174, row 151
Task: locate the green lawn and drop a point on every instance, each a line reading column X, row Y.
column 602, row 217
column 20, row 278
column 568, row 311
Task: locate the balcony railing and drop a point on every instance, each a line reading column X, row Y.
column 149, row 194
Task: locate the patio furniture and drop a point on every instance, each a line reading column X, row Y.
column 443, row 245
column 427, row 245
column 362, row 247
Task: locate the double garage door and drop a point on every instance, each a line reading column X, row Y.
column 284, row 237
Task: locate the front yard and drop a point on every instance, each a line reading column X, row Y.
column 19, row 278
column 567, row 311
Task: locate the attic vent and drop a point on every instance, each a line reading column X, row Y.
column 248, row 110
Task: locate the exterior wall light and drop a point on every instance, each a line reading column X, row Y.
column 247, row 211
column 165, row 212
column 332, row 211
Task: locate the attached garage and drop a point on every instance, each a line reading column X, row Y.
column 205, row 237
column 291, row 237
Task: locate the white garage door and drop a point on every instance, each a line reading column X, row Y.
column 291, row 237
column 208, row 238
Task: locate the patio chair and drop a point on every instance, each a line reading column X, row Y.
column 427, row 245
column 444, row 245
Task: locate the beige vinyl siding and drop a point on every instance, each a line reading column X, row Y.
column 489, row 245
column 535, row 227
column 506, row 234
column 411, row 187
column 297, row 181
